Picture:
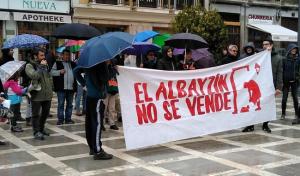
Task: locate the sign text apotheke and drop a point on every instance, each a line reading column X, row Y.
column 44, row 18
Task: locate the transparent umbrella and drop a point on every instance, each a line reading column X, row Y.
column 8, row 69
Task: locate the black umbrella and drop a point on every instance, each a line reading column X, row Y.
column 76, row 31
column 186, row 40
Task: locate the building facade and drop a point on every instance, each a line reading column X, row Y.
column 129, row 15
column 246, row 19
column 39, row 17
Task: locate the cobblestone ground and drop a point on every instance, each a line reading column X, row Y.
column 65, row 152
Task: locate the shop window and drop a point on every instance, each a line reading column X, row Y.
column 113, row 2
column 148, row 3
column 233, row 35
column 180, row 4
column 109, row 28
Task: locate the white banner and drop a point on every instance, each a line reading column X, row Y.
column 163, row 106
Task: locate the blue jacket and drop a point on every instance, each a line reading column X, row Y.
column 96, row 80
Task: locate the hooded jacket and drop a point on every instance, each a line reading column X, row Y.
column 276, row 61
column 167, row 63
column 245, row 54
column 290, row 65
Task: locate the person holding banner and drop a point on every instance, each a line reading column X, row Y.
column 167, row 62
column 232, row 55
column 187, row 63
column 96, row 81
column 276, row 62
column 249, row 50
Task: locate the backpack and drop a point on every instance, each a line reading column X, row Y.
column 112, row 86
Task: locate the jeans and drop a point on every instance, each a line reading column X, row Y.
column 62, row 96
column 80, row 93
column 286, row 87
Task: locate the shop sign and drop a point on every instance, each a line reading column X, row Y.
column 4, row 16
column 44, row 18
column 56, row 6
column 260, row 19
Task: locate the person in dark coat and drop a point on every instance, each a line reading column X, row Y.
column 7, row 55
column 290, row 68
column 249, row 49
column 168, row 61
column 150, row 61
column 276, row 62
column 232, row 55
column 96, row 84
column 187, row 63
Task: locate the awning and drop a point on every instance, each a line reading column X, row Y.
column 278, row 32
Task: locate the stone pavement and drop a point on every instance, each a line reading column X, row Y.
column 234, row 153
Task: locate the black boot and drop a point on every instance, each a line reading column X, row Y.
column 248, row 129
column 266, row 128
column 296, row 121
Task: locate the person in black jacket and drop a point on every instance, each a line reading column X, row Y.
column 65, row 86
column 150, row 61
column 232, row 55
column 187, row 62
column 276, row 62
column 290, row 67
column 7, row 55
column 249, row 49
column 167, row 62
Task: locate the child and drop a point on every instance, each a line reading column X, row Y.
column 14, row 93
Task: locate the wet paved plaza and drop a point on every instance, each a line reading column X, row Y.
column 65, row 152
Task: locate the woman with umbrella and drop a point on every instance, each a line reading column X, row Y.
column 187, row 63
column 167, row 62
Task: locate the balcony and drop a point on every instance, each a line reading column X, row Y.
column 290, row 2
column 161, row 4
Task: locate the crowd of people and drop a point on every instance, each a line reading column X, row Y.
column 96, row 88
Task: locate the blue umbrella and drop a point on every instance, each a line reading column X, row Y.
column 145, row 35
column 60, row 49
column 102, row 48
column 25, row 41
column 141, row 48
